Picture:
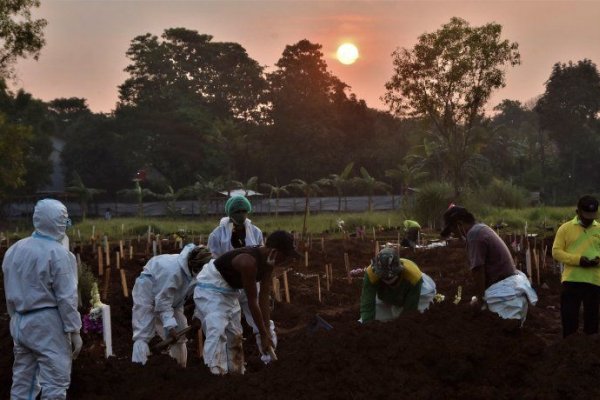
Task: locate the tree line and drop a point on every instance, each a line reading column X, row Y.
column 203, row 115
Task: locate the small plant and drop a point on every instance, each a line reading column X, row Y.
column 87, row 280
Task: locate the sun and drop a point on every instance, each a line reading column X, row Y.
column 347, row 53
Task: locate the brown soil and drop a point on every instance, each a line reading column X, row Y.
column 446, row 353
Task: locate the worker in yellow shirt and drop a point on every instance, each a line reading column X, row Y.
column 577, row 246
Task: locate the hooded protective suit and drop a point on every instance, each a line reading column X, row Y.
column 40, row 284
column 159, row 294
column 219, row 243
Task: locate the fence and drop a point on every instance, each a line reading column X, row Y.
column 215, row 206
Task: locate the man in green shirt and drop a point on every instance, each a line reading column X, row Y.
column 577, row 246
column 393, row 285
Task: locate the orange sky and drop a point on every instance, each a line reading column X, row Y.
column 87, row 40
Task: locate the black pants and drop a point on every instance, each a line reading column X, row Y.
column 571, row 297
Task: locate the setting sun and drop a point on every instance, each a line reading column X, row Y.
column 347, row 53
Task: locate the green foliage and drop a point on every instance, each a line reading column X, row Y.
column 13, row 146
column 568, row 111
column 500, row 193
column 448, row 77
column 86, row 281
column 20, row 34
column 431, row 201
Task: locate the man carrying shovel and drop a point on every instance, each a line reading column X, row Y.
column 159, row 294
column 217, row 300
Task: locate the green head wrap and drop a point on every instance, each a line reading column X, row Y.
column 237, row 203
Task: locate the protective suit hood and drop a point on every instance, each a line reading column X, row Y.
column 50, row 219
column 182, row 259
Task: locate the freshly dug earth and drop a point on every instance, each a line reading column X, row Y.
column 449, row 352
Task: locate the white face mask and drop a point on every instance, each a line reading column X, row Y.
column 271, row 260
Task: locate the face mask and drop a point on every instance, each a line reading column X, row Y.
column 238, row 218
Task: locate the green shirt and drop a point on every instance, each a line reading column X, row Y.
column 410, row 224
column 571, row 242
column 406, row 293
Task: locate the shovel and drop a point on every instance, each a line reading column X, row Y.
column 170, row 340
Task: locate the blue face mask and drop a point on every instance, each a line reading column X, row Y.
column 68, row 223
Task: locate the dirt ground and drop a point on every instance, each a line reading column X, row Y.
column 449, row 352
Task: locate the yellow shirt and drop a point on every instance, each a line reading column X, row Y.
column 571, row 242
column 410, row 272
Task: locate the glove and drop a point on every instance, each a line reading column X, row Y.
column 141, row 351
column 76, row 343
column 586, row 262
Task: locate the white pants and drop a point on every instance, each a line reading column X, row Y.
column 509, row 298
column 243, row 299
column 388, row 312
column 42, row 353
column 146, row 323
column 218, row 307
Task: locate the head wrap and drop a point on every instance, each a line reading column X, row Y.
column 386, row 264
column 237, row 203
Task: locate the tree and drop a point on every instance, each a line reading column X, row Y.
column 20, row 35
column 202, row 189
column 84, row 194
column 448, row 77
column 138, row 193
column 568, row 112
column 13, row 141
column 339, row 182
column 309, row 189
column 305, row 114
column 372, row 185
column 277, row 191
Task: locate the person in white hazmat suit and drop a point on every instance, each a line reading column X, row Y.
column 159, row 295
column 236, row 231
column 40, row 284
column 217, row 300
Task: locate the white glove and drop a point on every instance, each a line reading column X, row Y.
column 141, row 351
column 179, row 352
column 76, row 343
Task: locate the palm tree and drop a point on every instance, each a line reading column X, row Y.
column 277, row 191
column 371, row 184
column 202, row 189
column 84, row 194
column 339, row 182
column 250, row 185
column 407, row 175
column 308, row 189
column 138, row 193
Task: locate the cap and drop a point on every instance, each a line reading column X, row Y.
column 386, row 263
column 237, row 203
column 588, row 206
column 284, row 242
column 451, row 216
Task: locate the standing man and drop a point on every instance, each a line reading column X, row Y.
column 217, row 300
column 500, row 286
column 577, row 246
column 40, row 284
column 236, row 231
column 159, row 295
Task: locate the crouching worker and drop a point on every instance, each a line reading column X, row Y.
column 393, row 285
column 501, row 288
column 159, row 294
column 217, row 300
column 40, row 285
